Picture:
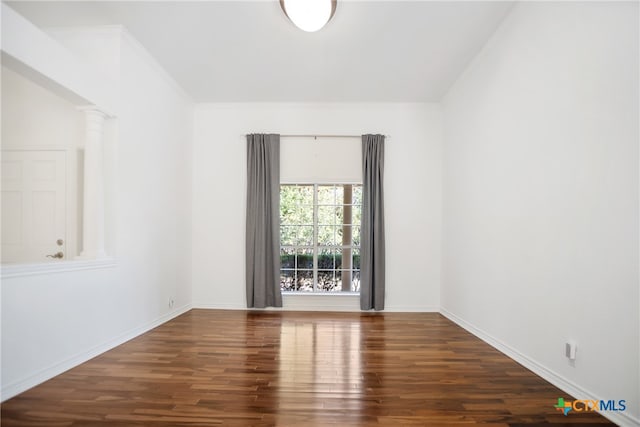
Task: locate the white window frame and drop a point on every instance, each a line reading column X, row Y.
column 315, row 247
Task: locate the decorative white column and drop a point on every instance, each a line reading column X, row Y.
column 93, row 194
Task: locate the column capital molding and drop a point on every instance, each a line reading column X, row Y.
column 93, row 110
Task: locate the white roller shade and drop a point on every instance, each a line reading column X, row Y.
column 322, row 160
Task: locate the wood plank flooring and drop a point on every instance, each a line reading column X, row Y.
column 244, row 368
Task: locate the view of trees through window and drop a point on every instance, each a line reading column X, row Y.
column 320, row 237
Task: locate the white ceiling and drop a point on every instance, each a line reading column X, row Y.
column 227, row 51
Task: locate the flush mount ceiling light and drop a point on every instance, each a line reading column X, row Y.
column 309, row 15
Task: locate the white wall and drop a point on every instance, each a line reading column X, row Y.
column 541, row 194
column 37, row 55
column 412, row 192
column 52, row 322
column 36, row 117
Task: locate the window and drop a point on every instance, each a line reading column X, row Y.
column 320, row 237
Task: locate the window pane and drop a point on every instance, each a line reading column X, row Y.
column 328, row 235
column 327, row 195
column 356, row 259
column 328, row 215
column 296, row 204
column 305, row 235
column 287, row 280
column 326, row 259
column 303, row 214
column 339, row 214
column 288, row 235
column 356, row 218
column 287, row 258
column 305, row 258
column 338, row 194
column 355, row 282
column 357, row 194
column 328, row 282
column 355, row 236
column 298, row 194
column 304, row 281
column 296, row 214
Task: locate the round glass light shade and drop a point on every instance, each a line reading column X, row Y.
column 309, row 15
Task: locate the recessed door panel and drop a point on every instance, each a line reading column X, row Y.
column 33, row 205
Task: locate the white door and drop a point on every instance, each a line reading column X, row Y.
column 33, row 206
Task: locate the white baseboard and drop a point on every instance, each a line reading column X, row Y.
column 315, row 302
column 209, row 306
column 300, row 302
column 45, row 374
column 411, row 309
column 620, row 418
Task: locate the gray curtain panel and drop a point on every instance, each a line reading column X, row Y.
column 263, row 221
column 372, row 239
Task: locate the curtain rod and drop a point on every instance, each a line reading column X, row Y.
column 320, row 136
column 323, row 136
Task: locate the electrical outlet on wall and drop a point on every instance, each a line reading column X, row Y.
column 570, row 350
column 171, row 302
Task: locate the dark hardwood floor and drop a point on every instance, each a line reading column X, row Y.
column 243, row 368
